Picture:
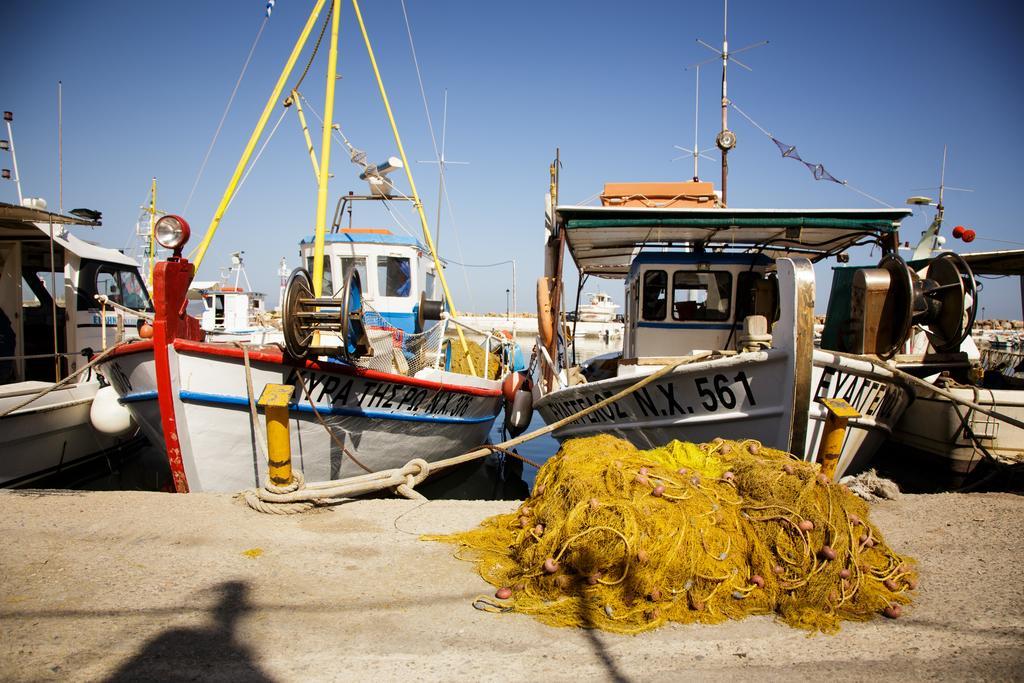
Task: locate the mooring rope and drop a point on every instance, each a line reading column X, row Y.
column 61, row 383
column 404, row 479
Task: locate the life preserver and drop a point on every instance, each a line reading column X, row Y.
column 545, row 316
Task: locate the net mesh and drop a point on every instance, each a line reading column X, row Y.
column 626, row 540
column 818, row 170
column 398, row 351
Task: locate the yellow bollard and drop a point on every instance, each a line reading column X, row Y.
column 838, row 415
column 275, row 399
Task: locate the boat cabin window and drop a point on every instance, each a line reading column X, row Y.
column 393, row 276
column 698, row 295
column 357, row 262
column 655, row 293
column 122, row 284
column 429, row 287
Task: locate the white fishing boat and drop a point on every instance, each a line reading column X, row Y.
column 599, row 308
column 50, row 325
column 944, row 433
column 369, row 392
column 231, row 311
column 726, row 296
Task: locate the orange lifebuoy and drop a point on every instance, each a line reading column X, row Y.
column 545, row 316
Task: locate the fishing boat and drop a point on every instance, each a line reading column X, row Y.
column 599, row 308
column 51, row 323
column 232, row 312
column 726, row 296
column 369, row 392
column 943, row 434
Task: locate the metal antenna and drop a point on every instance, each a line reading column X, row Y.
column 696, row 152
column 929, row 238
column 726, row 139
column 441, row 163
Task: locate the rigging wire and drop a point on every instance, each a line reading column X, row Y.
column 224, row 116
column 437, row 153
column 259, row 153
column 358, row 157
column 818, row 170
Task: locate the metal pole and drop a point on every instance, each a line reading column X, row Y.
column 53, row 307
column 152, row 233
column 14, row 160
column 60, row 149
column 725, row 102
column 515, row 305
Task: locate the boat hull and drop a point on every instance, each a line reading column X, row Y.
column 932, row 426
column 50, row 434
column 376, row 419
column 746, row 396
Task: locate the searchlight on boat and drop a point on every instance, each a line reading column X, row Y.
column 376, row 176
column 172, row 232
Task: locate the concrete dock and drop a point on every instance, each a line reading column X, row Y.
column 149, row 586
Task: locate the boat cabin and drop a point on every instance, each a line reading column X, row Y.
column 231, row 310
column 684, row 302
column 700, row 277
column 33, row 285
column 396, row 273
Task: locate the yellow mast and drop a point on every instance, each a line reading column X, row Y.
column 412, row 187
column 260, row 125
column 305, row 133
column 152, row 233
column 325, row 155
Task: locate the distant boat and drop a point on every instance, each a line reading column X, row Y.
column 599, row 309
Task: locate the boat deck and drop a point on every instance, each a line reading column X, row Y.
column 147, row 586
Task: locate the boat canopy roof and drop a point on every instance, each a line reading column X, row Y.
column 13, row 215
column 604, row 240
column 367, row 236
column 1005, row 262
column 27, row 222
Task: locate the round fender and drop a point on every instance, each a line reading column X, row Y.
column 511, row 384
column 108, row 415
column 520, row 412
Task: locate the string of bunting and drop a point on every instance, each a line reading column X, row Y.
column 817, row 170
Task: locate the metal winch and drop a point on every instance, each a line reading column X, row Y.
column 325, row 325
column 890, row 301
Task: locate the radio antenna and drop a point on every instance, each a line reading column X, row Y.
column 696, row 152
column 726, row 139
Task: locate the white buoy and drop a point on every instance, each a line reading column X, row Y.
column 108, row 415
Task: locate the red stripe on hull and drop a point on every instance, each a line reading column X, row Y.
column 276, row 357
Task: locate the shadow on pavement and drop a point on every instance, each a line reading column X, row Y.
column 197, row 653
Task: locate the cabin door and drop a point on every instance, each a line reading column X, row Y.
column 12, row 366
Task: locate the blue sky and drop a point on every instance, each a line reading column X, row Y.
column 871, row 89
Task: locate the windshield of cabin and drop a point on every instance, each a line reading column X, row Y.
column 701, row 295
column 393, row 276
column 655, row 282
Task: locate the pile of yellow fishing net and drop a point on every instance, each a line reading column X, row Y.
column 625, row 540
column 479, row 355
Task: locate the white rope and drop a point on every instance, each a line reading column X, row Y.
column 224, row 116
